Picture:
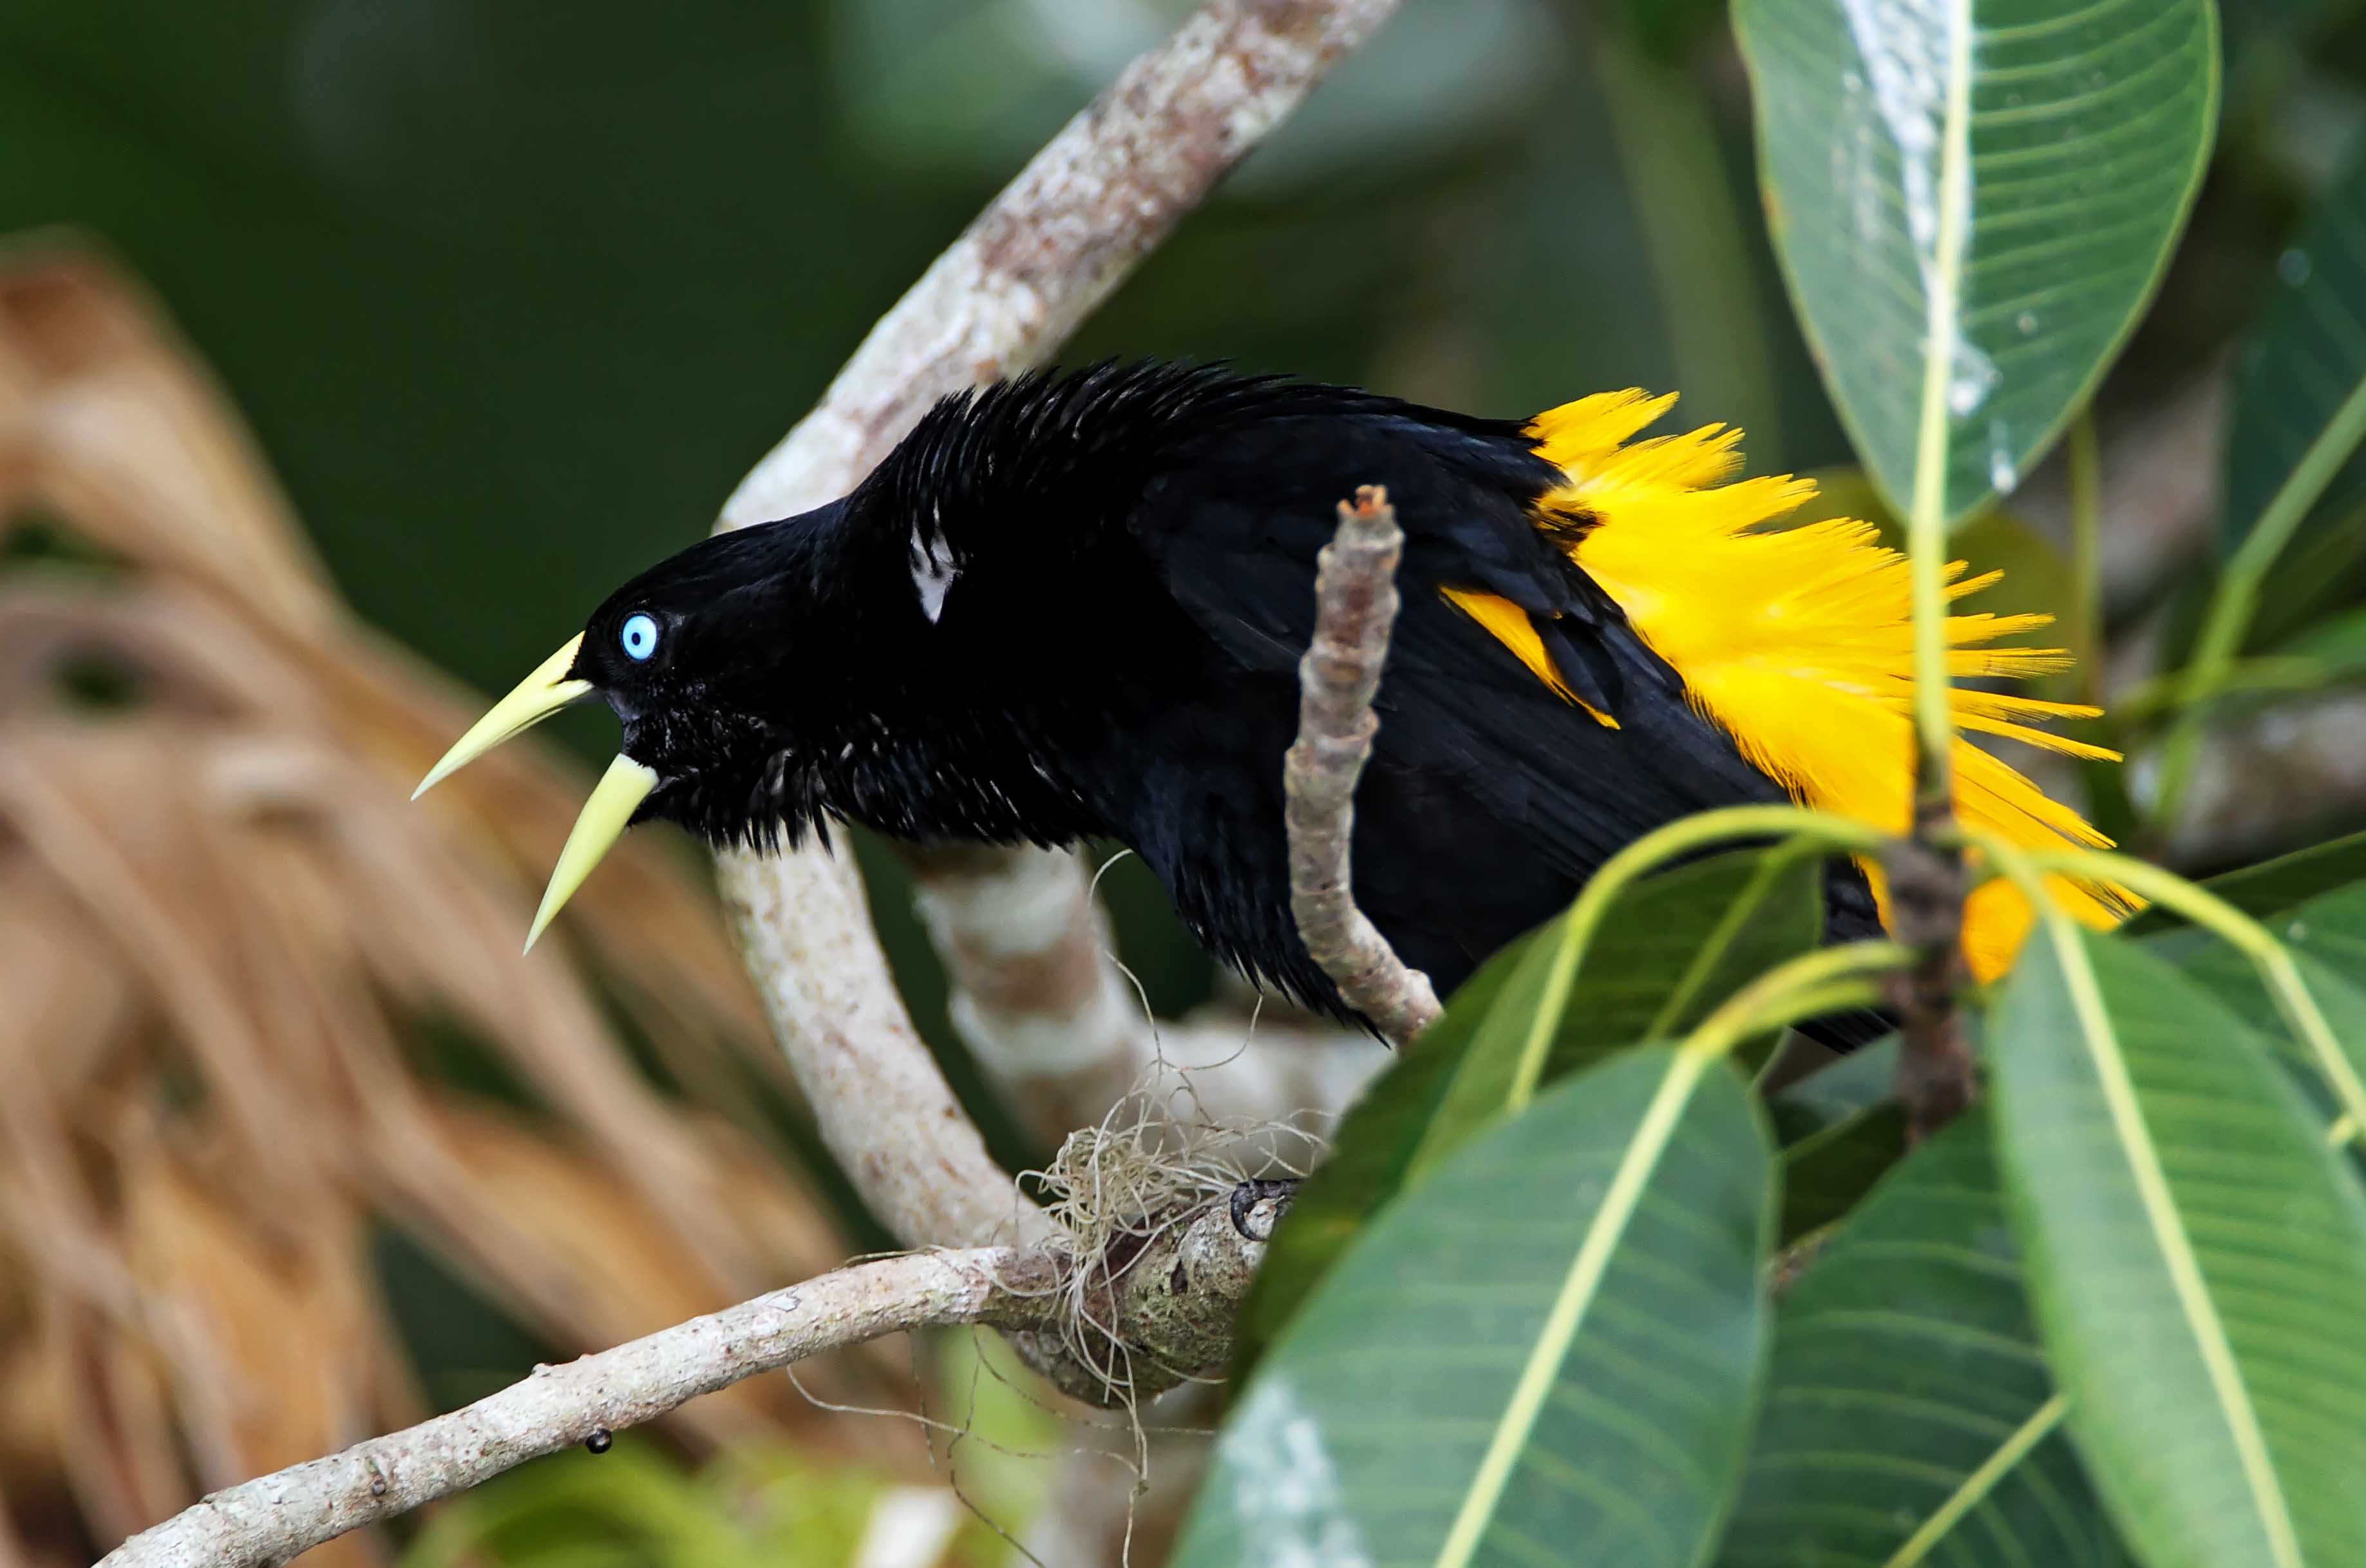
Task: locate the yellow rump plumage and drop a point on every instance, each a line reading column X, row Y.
column 1799, row 642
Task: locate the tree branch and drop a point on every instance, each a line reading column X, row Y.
column 1355, row 609
column 1043, row 1004
column 1167, row 1307
column 881, row 1103
column 1049, row 1017
column 1936, row 1078
column 274, row 1517
column 1061, row 237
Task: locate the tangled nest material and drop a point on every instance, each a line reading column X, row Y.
column 1160, row 1202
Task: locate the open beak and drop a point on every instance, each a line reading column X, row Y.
column 537, row 696
column 604, row 821
column 605, row 816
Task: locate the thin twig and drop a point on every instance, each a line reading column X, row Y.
column 1355, row 609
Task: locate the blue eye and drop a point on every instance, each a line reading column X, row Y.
column 639, row 636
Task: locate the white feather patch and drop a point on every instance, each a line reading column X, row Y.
column 932, row 574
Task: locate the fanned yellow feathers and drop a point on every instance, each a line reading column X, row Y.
column 1799, row 641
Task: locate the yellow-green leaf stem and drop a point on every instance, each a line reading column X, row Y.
column 1793, row 990
column 1980, row 1484
column 1646, row 854
column 1926, row 522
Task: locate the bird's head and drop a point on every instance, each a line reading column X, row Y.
column 712, row 660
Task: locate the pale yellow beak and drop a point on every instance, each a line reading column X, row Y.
column 537, row 696
column 605, row 816
column 604, row 821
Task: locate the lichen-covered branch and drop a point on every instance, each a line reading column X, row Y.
column 1166, row 1306
column 273, row 1518
column 1355, row 609
column 1033, row 990
column 881, row 1104
column 1039, row 997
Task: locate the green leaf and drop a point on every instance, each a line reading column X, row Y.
column 2295, row 470
column 2272, row 886
column 1908, row 1415
column 2334, row 649
column 1972, row 201
column 2197, row 1259
column 1669, row 949
column 1840, row 1129
column 1548, row 1352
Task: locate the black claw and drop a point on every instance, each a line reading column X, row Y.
column 1248, row 1195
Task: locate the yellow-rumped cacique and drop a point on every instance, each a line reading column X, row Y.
column 1071, row 606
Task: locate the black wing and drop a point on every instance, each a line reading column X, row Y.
column 1479, row 764
column 1233, row 525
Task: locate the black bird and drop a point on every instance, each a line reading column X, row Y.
column 1072, row 606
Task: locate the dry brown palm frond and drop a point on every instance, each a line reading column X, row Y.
column 223, row 933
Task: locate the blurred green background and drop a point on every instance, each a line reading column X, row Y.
column 515, row 293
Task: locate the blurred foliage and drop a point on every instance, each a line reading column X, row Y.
column 629, row 1508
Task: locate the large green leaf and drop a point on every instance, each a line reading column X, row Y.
column 2197, row 1260
column 1666, row 953
column 1908, row 1415
column 2294, row 471
column 1369, row 1151
column 1546, row 1352
column 1972, row 200
column 1670, row 948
